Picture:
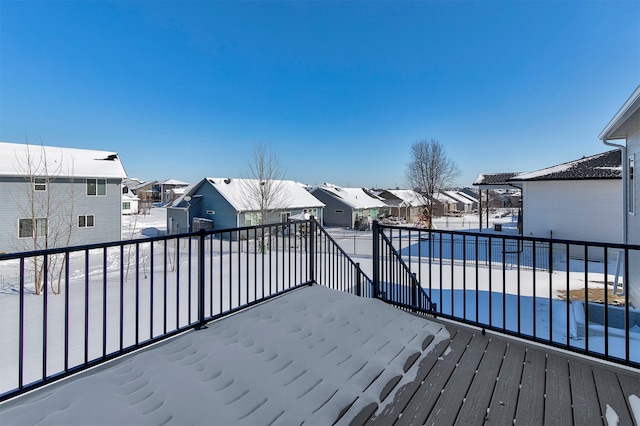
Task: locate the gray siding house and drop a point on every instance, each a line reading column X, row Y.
column 349, row 207
column 405, row 204
column 623, row 131
column 223, row 203
column 57, row 197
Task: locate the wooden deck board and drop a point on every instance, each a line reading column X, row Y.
column 583, row 393
column 497, row 380
column 446, row 408
column 610, row 394
column 504, row 400
column 393, row 410
column 530, row 408
column 424, row 399
column 557, row 400
column 473, row 410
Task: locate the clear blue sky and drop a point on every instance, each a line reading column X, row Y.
column 339, row 89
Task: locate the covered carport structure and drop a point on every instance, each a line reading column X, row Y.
column 494, row 181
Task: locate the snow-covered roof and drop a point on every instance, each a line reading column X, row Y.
column 443, row 198
column 625, row 119
column 129, row 197
column 290, row 194
column 458, row 197
column 494, row 180
column 408, row 197
column 607, row 165
column 39, row 160
column 356, row 198
column 174, row 182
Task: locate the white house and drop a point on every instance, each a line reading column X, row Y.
column 130, row 203
column 578, row 200
column 625, row 127
column 55, row 197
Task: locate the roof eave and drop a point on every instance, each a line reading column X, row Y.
column 627, row 110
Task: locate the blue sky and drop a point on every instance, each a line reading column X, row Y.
column 340, row 89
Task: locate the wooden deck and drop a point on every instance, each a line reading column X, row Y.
column 475, row 379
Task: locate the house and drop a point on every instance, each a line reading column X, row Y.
column 625, row 126
column 463, row 204
column 470, row 195
column 130, row 203
column 405, row 204
column 578, row 200
column 56, row 197
column 442, row 205
column 225, row 203
column 169, row 188
column 349, row 207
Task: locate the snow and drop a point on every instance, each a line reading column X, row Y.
column 290, row 332
column 304, row 356
column 611, row 416
column 357, row 198
column 59, row 161
column 290, row 194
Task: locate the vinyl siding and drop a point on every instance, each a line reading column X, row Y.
column 633, row 224
column 585, row 210
column 68, row 199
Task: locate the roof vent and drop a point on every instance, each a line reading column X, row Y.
column 227, row 181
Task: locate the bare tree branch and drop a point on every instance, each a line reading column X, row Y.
column 430, row 170
column 263, row 189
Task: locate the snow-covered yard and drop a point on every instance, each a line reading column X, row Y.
column 121, row 307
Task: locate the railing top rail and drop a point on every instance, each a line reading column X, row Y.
column 94, row 246
column 516, row 237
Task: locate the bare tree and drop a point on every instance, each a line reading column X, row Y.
column 47, row 212
column 430, row 170
column 263, row 189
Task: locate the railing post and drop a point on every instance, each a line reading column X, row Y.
column 376, row 260
column 415, row 299
column 201, row 322
column 312, row 249
column 358, row 279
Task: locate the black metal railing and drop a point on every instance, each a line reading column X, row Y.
column 546, row 290
column 65, row 310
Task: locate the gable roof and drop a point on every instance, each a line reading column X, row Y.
column 457, row 197
column 356, row 198
column 407, row 197
column 292, row 195
column 607, row 165
column 58, row 161
column 494, row 179
column 174, row 182
column 619, row 125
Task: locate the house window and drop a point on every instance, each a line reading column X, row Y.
column 251, row 219
column 29, row 228
column 86, row 221
column 631, row 190
column 40, row 184
column 285, row 216
column 96, row 187
column 338, row 211
column 126, row 205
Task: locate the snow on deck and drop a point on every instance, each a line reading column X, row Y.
column 305, row 356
